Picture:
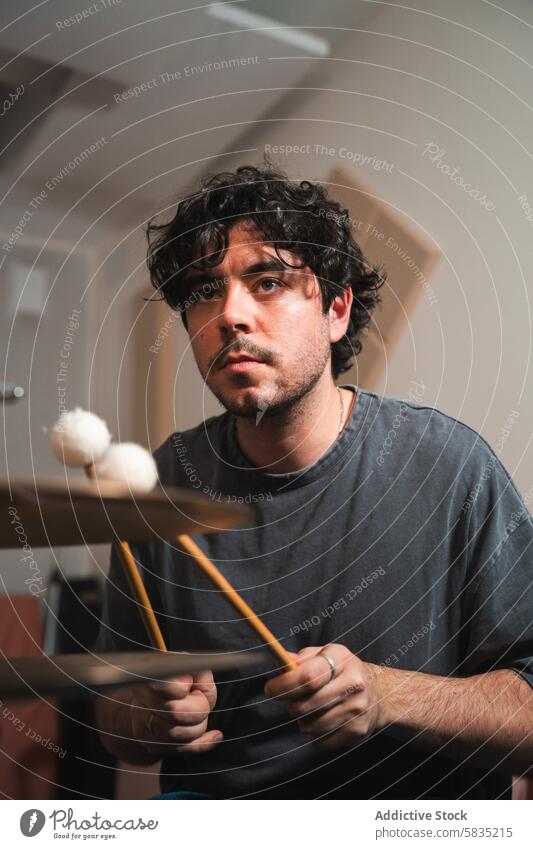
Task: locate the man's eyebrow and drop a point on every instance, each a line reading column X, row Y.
column 204, row 277
column 257, row 268
column 265, row 266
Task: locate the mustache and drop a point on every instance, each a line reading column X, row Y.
column 241, row 346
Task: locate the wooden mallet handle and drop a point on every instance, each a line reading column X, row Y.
column 129, row 566
column 140, row 595
column 217, row 578
column 136, row 586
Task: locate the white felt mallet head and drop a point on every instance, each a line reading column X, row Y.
column 130, row 464
column 79, row 438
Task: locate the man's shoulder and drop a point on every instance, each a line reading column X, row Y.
column 427, row 445
column 421, row 415
column 420, row 425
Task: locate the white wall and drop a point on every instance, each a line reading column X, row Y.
column 70, row 244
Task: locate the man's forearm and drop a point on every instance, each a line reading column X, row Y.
column 488, row 717
column 114, row 722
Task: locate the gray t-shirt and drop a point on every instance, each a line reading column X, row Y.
column 406, row 541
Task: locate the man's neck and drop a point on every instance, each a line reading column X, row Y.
column 296, row 438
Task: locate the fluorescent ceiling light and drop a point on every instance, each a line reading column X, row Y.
column 251, row 20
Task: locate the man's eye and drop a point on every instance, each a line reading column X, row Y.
column 204, row 294
column 269, row 284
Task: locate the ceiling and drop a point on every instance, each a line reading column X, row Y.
column 186, row 111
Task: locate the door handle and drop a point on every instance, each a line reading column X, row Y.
column 10, row 391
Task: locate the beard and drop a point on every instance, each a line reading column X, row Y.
column 279, row 394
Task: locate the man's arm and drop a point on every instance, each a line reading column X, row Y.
column 487, row 718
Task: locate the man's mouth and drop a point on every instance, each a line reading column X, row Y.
column 239, row 362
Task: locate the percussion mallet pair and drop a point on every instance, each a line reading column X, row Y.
column 81, row 439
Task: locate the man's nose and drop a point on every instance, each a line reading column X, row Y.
column 236, row 311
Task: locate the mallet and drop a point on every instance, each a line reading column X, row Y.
column 80, row 438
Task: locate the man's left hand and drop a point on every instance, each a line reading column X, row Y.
column 337, row 711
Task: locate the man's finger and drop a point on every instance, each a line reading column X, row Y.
column 176, row 687
column 190, row 716
column 336, row 691
column 191, row 710
column 325, row 721
column 309, row 651
column 205, row 683
column 163, row 740
column 324, row 699
column 186, row 733
column 204, row 743
column 313, row 674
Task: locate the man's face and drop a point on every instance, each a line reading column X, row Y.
column 257, row 328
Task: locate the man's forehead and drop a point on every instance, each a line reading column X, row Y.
column 249, row 244
column 246, row 246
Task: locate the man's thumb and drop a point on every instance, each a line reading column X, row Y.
column 207, row 741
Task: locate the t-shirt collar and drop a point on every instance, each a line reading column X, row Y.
column 275, row 482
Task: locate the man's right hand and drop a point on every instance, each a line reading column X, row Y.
column 173, row 715
column 143, row 723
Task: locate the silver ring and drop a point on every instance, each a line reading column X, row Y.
column 331, row 664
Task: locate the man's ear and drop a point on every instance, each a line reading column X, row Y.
column 339, row 314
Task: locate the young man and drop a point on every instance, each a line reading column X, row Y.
column 389, row 549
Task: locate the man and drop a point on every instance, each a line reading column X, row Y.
column 389, row 551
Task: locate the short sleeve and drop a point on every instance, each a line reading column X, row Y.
column 121, row 625
column 498, row 607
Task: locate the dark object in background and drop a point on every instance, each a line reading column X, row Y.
column 71, row 625
column 28, row 769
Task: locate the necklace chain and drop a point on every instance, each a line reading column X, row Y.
column 342, row 411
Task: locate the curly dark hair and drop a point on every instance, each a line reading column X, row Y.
column 295, row 216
